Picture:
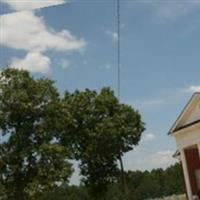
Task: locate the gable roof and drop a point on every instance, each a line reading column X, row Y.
column 188, row 109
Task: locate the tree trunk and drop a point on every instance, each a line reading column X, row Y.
column 123, row 177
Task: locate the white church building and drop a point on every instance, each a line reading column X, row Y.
column 186, row 131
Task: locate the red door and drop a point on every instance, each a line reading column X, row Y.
column 193, row 163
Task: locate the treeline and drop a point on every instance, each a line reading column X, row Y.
column 141, row 185
column 157, row 183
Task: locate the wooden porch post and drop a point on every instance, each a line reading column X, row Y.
column 186, row 175
column 198, row 145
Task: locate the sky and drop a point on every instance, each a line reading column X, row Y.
column 74, row 42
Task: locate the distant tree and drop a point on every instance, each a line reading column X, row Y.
column 158, row 177
column 65, row 192
column 32, row 115
column 156, row 183
column 135, row 179
column 103, row 130
column 174, row 183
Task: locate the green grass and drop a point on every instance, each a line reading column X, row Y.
column 174, row 197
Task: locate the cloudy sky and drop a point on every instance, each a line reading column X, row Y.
column 74, row 43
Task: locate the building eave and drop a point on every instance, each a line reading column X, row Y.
column 173, row 129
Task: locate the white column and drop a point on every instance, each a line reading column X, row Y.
column 199, row 149
column 186, row 174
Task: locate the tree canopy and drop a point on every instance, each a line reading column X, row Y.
column 31, row 116
column 103, row 130
column 42, row 130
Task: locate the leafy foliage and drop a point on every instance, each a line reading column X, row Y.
column 31, row 117
column 67, row 193
column 42, row 130
column 157, row 183
column 103, row 130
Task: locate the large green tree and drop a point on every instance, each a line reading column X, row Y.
column 32, row 116
column 103, row 130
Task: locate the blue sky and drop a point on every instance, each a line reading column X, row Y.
column 74, row 43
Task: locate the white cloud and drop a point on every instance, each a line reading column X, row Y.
column 65, row 64
column 108, row 66
column 172, row 11
column 151, row 103
column 112, row 34
column 154, row 159
column 148, row 137
column 33, row 62
column 193, row 89
column 123, row 25
column 25, row 30
column 162, row 158
column 19, row 5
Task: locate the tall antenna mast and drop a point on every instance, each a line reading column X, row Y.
column 118, row 51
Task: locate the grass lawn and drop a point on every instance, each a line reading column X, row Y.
column 174, row 197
